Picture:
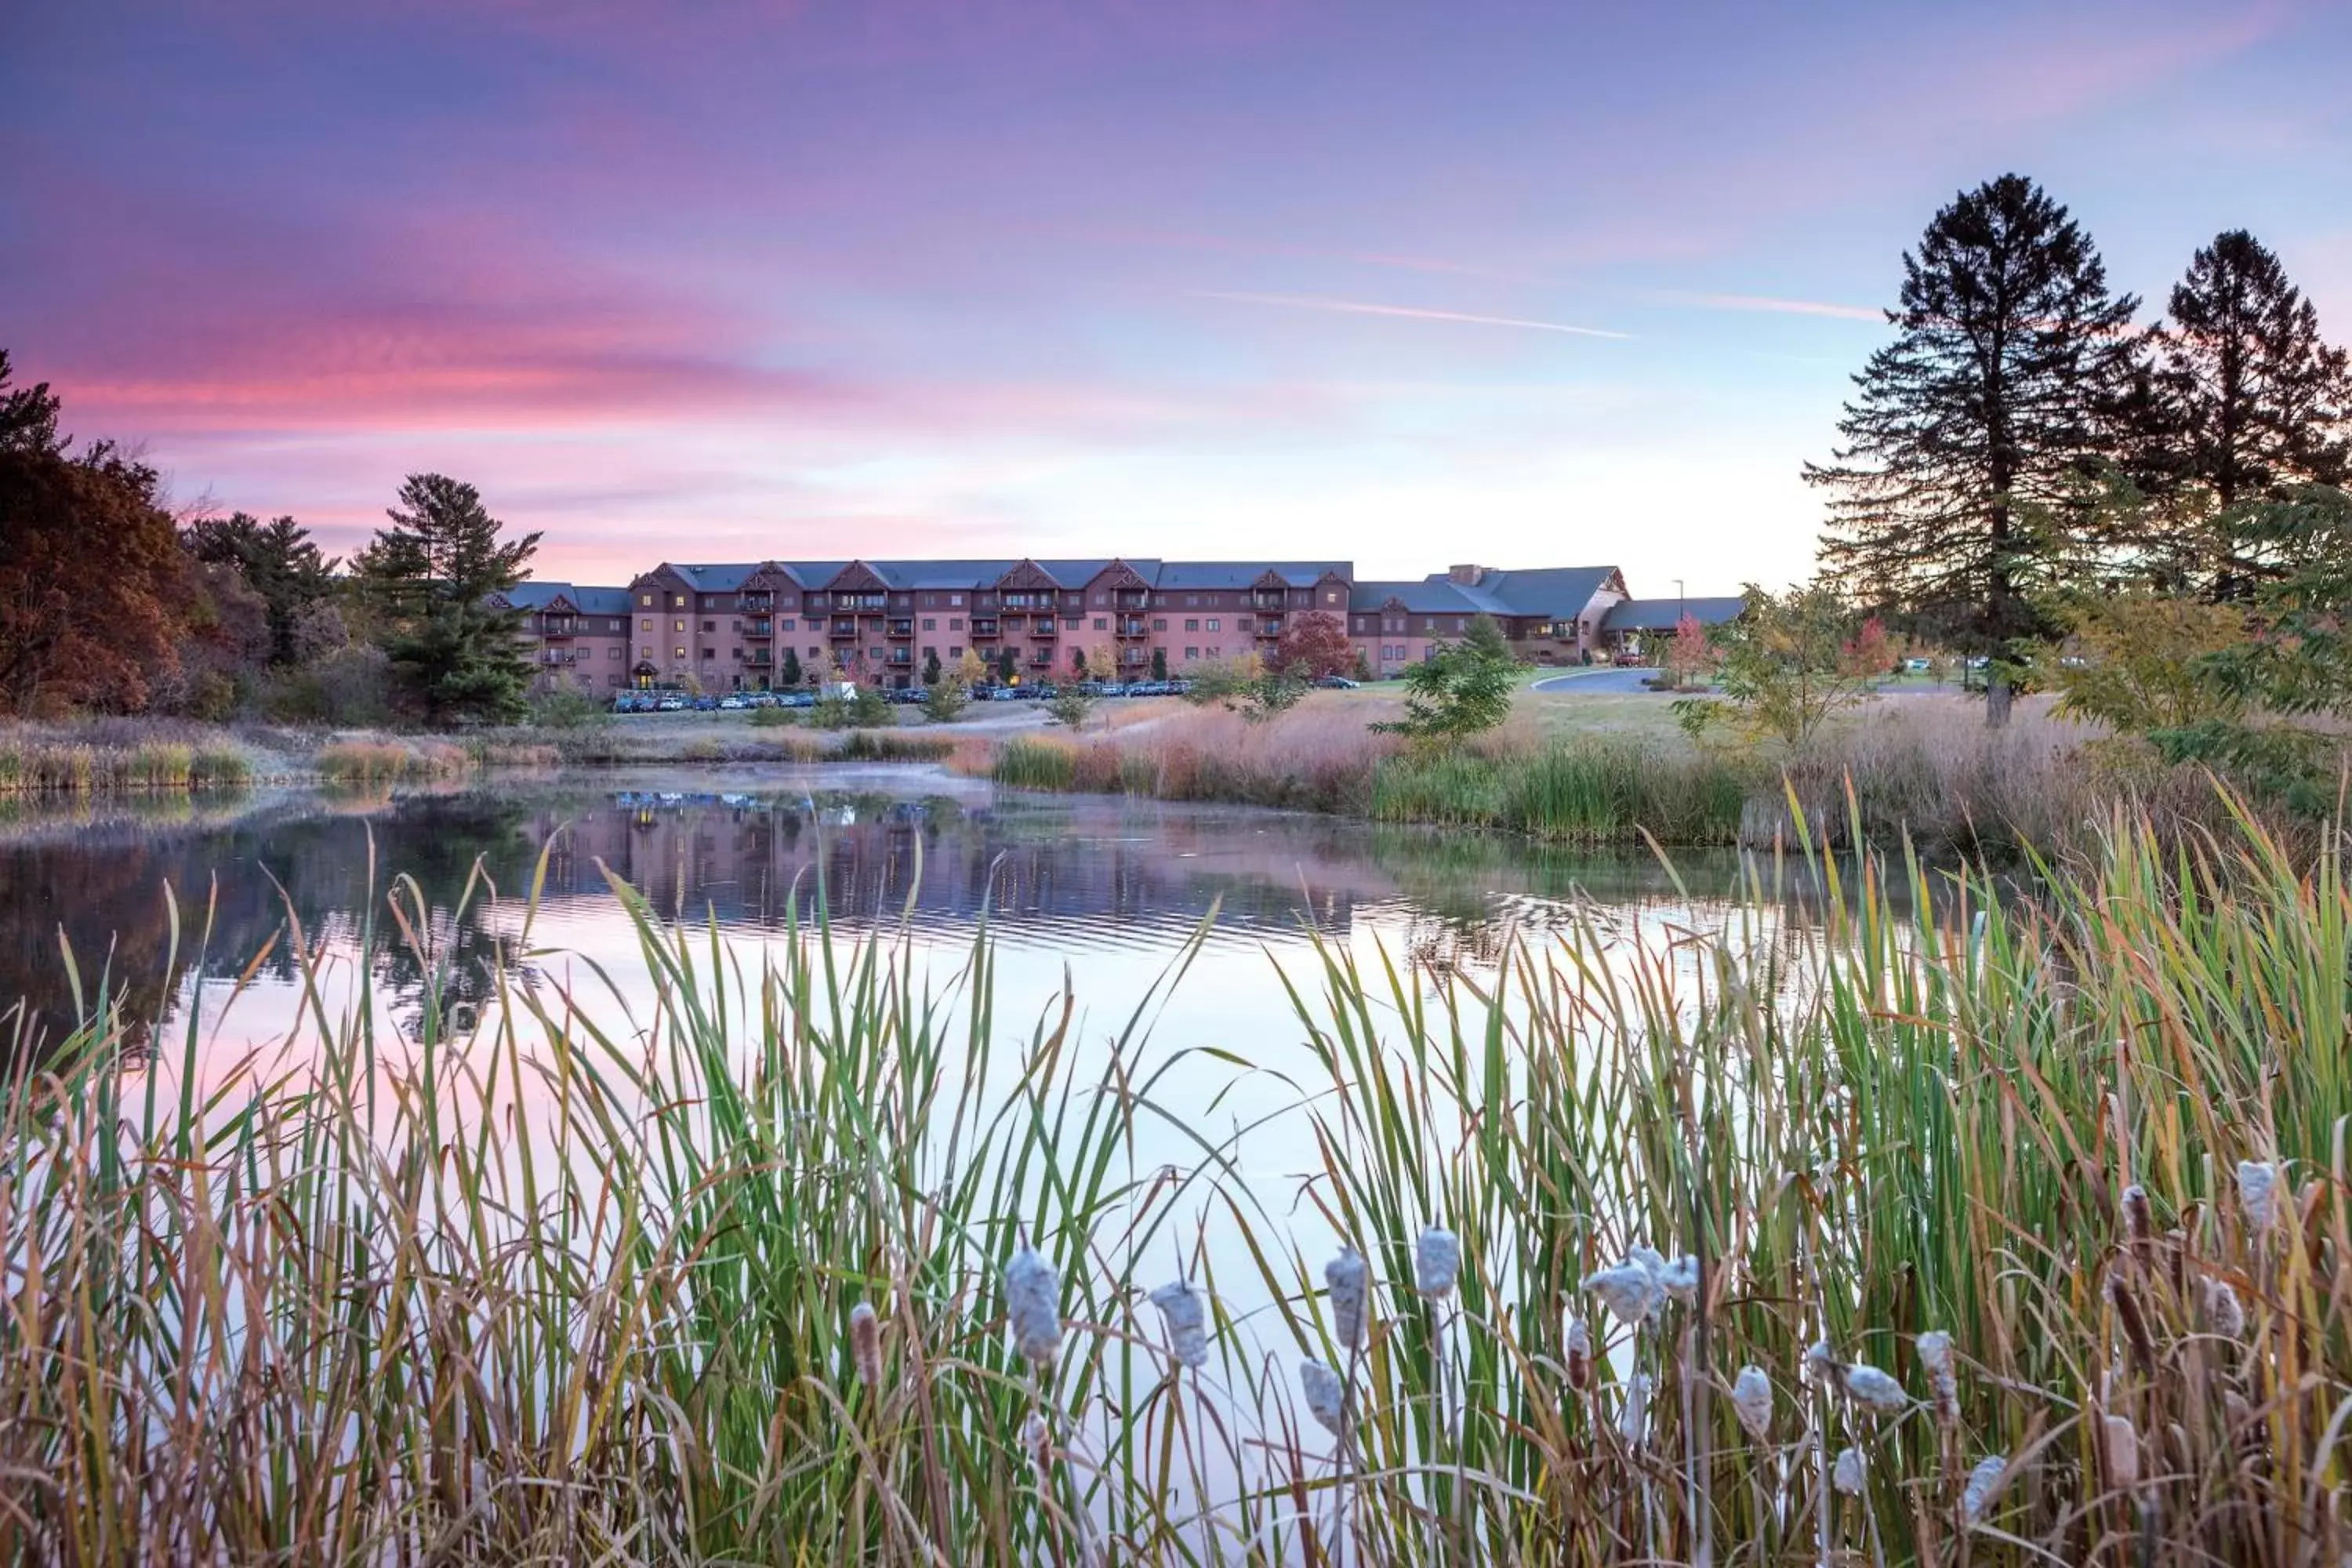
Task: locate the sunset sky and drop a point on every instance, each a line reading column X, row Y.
column 1519, row 284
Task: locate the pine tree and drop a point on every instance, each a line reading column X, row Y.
column 930, row 667
column 2247, row 401
column 791, row 674
column 2003, row 388
column 431, row 574
column 1006, row 666
column 278, row 561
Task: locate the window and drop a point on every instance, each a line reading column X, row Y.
column 1100, row 600
column 1191, row 601
column 1332, row 597
column 1192, row 653
column 677, row 601
column 646, row 654
column 815, row 652
column 709, row 656
column 678, row 625
column 612, row 653
column 1159, row 623
column 646, row 600
column 955, row 623
column 1194, row 625
column 955, row 601
column 930, row 624
column 785, row 626
column 955, row 653
column 647, row 625
column 617, row 624
column 1073, row 624
column 1214, row 624
column 677, row 653
column 738, row 627
column 1101, row 623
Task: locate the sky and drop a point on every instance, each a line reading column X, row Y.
column 1406, row 285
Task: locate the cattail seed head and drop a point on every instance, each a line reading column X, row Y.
column 2137, row 1225
column 2122, row 1443
column 865, row 1343
column 1821, row 1362
column 1436, row 1261
column 1877, row 1390
column 1943, row 1374
column 1630, row 1290
column 1846, row 1475
column 1033, row 1300
column 1327, row 1396
column 1038, row 1438
column 1347, row 1276
column 1983, row 1481
column 1580, row 1355
column 2133, row 1321
column 2257, row 1192
column 1185, row 1317
column 1634, row 1421
column 1679, row 1280
column 2223, row 1311
column 1751, row 1401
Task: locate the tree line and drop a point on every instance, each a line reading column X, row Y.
column 111, row 603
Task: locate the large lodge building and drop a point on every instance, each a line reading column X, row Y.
column 729, row 627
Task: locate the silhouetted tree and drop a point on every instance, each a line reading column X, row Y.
column 2005, row 385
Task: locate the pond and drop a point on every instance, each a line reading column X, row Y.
column 1105, row 891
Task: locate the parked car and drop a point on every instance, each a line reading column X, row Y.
column 733, row 702
column 671, row 704
column 797, row 700
column 1336, row 683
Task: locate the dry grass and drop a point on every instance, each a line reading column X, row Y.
column 37, row 763
column 363, row 761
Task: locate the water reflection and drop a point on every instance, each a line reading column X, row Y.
column 1057, row 877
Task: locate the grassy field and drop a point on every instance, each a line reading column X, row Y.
column 2016, row 1233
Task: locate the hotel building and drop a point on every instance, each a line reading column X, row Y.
column 730, row 627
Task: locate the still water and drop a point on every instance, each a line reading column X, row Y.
column 1102, row 891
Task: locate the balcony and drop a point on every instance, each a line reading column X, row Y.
column 983, row 629
column 761, row 602
column 902, row 628
column 900, row 657
column 1134, row 629
column 1027, row 600
column 1269, row 599
column 844, row 631
column 1270, row 627
column 1132, row 599
column 868, row 603
column 556, row 655
column 759, row 630
column 1042, row 629
column 1043, row 659
column 560, row 625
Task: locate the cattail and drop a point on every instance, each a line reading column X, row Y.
column 1983, row 1481
column 865, row 1343
column 1346, row 1275
column 1634, row 1419
column 2257, row 1192
column 1580, row 1355
column 1820, row 1361
column 2138, row 1226
column 2223, row 1309
column 1751, row 1401
column 1327, row 1396
column 1943, row 1375
column 1436, row 1261
column 1846, row 1475
column 1038, row 1438
column 2123, row 1451
column 1879, row 1391
column 1033, row 1300
column 1186, row 1320
column 1629, row 1290
column 2133, row 1321
column 1679, row 1280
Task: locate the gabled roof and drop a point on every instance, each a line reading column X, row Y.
column 1664, row 614
column 539, row 595
column 1229, row 574
column 1423, row 596
column 1555, row 593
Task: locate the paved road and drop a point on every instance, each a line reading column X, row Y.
column 1595, row 682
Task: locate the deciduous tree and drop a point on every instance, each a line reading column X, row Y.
column 1463, row 689
column 1313, row 646
column 2007, row 380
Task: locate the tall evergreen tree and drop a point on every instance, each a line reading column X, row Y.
column 430, row 576
column 278, row 558
column 2247, row 402
column 1970, row 434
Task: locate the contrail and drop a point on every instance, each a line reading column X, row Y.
column 1361, row 307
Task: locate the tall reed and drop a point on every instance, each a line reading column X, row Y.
column 583, row 1280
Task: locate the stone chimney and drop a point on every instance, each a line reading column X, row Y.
column 1467, row 576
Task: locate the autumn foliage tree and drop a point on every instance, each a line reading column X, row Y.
column 1690, row 657
column 1315, row 646
column 92, row 581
